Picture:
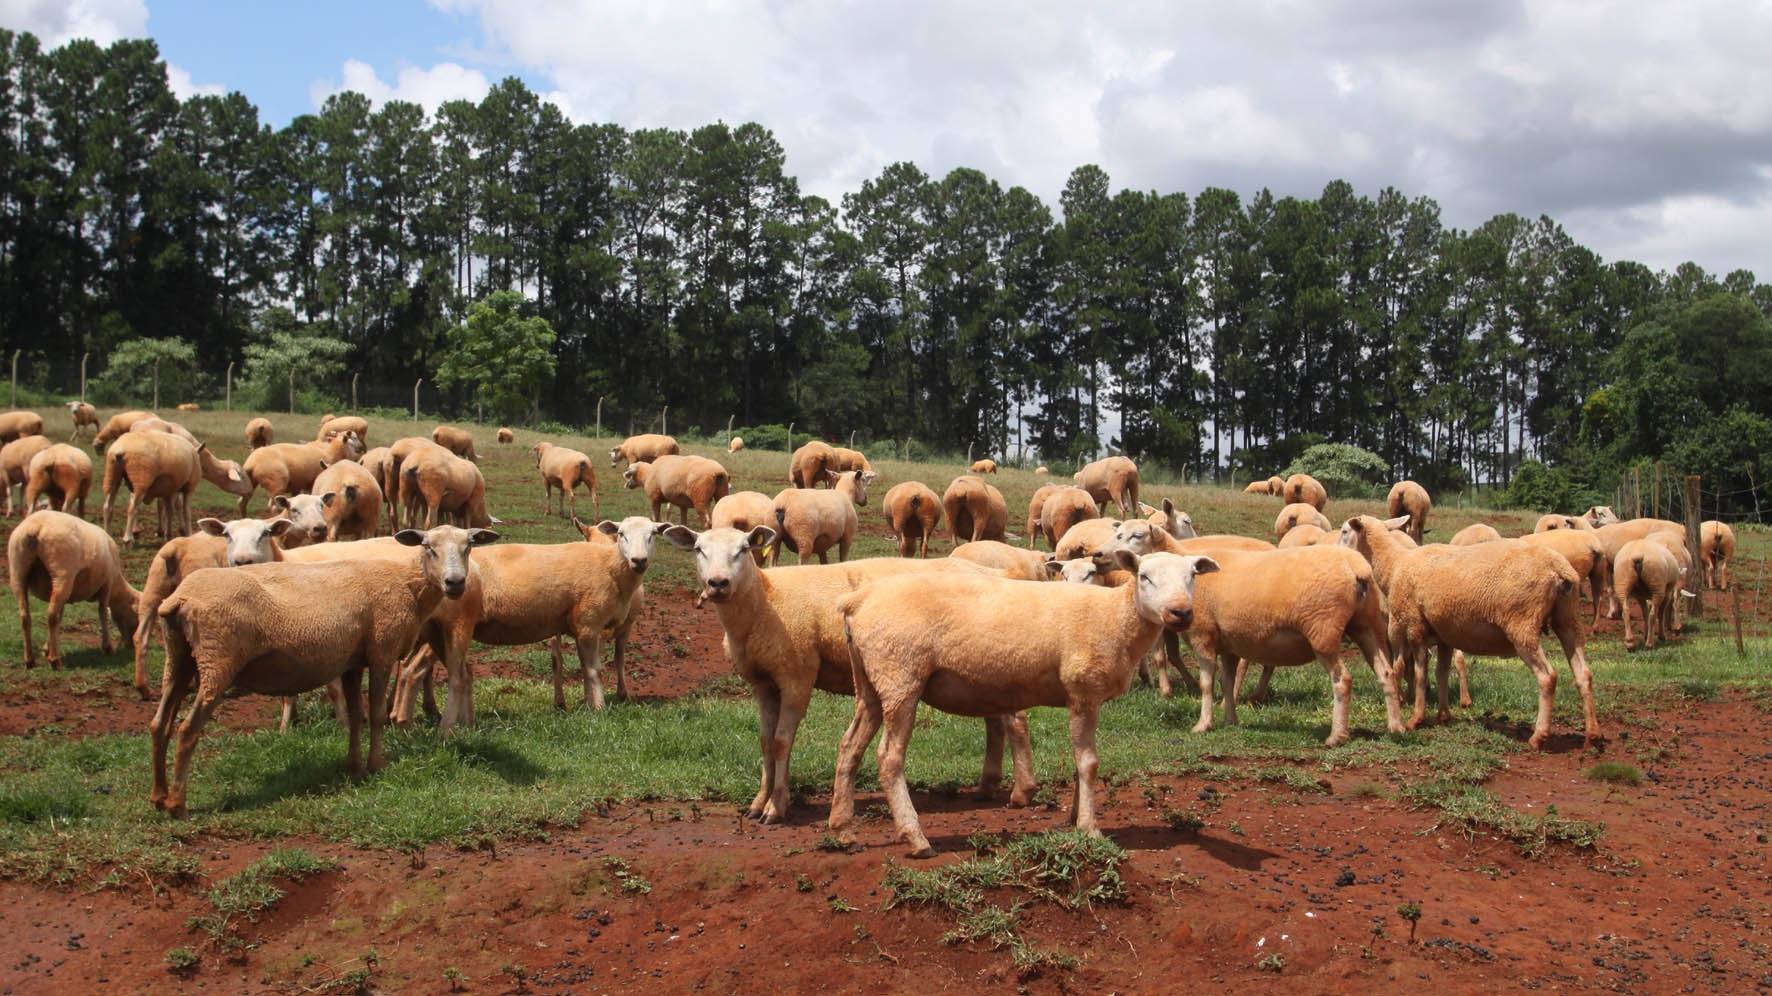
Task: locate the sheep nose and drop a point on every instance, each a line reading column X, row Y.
column 242, row 561
column 638, row 563
column 1182, row 617
column 453, row 587
column 719, row 584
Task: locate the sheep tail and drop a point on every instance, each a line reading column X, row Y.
column 1361, row 587
column 916, row 500
column 781, row 518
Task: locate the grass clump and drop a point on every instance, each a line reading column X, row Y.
column 254, row 890
column 1474, row 810
column 1615, row 773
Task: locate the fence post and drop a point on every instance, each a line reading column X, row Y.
column 664, row 421
column 227, row 398
column 1692, row 525
column 415, row 387
column 968, row 456
column 852, row 439
column 156, row 379
column 1656, row 503
column 354, row 389
column 599, row 434
column 83, row 358
column 790, row 437
column 729, row 419
column 1636, row 491
column 15, row 376
column 291, row 389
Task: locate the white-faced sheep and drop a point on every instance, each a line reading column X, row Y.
column 1476, row 532
column 1085, row 539
column 1716, row 547
column 1112, row 479
column 644, row 448
column 1063, row 509
column 1170, row 519
column 745, row 511
column 913, row 512
column 975, row 511
column 116, row 426
column 351, row 500
column 15, row 464
column 62, row 559
column 153, row 466
column 63, row 475
column 811, row 522
column 985, row 466
column 14, row 425
column 254, row 629
column 1299, row 513
column 445, row 485
column 259, row 433
column 565, row 469
column 1646, row 574
column 1601, row 515
column 1553, row 520
column 1304, row 489
column 1411, row 499
column 85, row 417
column 1016, row 646
column 811, row 463
column 683, row 481
column 457, row 441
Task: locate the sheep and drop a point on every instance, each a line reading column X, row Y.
column 216, row 544
column 281, row 469
column 15, row 465
column 1085, row 571
column 1479, row 532
column 189, row 406
column 1411, row 499
column 335, row 425
column 784, row 637
column 1170, row 519
column 1584, row 552
column 254, row 629
column 975, row 510
column 807, row 467
column 62, row 559
column 1035, row 505
column 1015, row 646
column 848, row 459
column 1063, row 509
column 116, row 426
column 913, row 512
column 446, row 485
column 1257, row 488
column 1601, row 515
column 154, row 466
column 1042, row 469
column 1614, row 535
column 1716, row 547
column 457, row 441
column 1526, row 589
column 1299, row 513
column 1112, row 479
column 684, row 481
column 1306, row 490
column 84, row 415
column 746, row 510
column 810, row 522
column 307, row 517
column 565, row 469
column 15, row 425
column 1307, row 534
column 1013, row 561
column 376, row 462
column 351, row 501
column 986, row 466
column 643, row 449
column 259, row 433
column 157, row 424
column 1674, row 609
column 61, row 472
column 1553, row 520
column 398, row 453
column 1085, row 538
column 735, row 444
column 1646, row 573
column 505, row 436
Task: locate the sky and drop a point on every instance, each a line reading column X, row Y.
column 1644, row 128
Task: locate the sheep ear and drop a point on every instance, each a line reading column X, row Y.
column 1147, row 509
column 1399, row 522
column 328, row 498
column 868, row 476
column 1169, row 505
column 761, row 537
column 681, row 537
column 409, row 537
column 1054, row 567
column 213, row 527
column 1126, row 560
column 607, row 527
column 1205, row 565
column 280, row 503
column 277, row 527
column 481, row 537
column 1355, row 524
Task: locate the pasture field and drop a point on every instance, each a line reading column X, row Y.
column 574, row 851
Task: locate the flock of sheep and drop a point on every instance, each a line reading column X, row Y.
column 974, row 634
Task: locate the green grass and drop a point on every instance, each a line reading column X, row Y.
column 1615, row 773
column 255, row 889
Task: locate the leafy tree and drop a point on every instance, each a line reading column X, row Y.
column 503, row 356
column 135, row 359
column 1343, row 469
column 284, row 347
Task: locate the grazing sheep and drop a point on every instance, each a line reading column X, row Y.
column 157, row 424
column 1299, row 513
column 1112, row 479
column 811, row 522
column 1042, row 469
column 1035, row 505
column 644, row 448
column 259, row 433
column 1170, row 519
column 1526, row 590
column 1716, row 547
column 975, row 510
column 1675, row 607
column 1015, row 646
column 116, row 426
column 735, row 444
column 808, row 467
column 190, row 406
column 62, row 559
column 1480, row 532
column 1013, row 561
column 1646, row 573
column 565, row 469
column 848, row 459
column 351, row 501
column 1085, row 539
column 15, row 465
column 216, row 544
column 398, row 453
column 1584, row 552
column 1411, row 499
column 745, row 511
column 281, row 469
column 446, row 485
column 1306, row 490
column 335, row 425
column 1063, row 509
column 61, row 472
column 784, row 636
column 684, row 481
column 84, row 415
column 224, row 474
column 236, row 629
column 14, row 425
column 153, row 466
column 1601, row 515
column 1614, row 535
column 1551, row 521
column 913, row 511
column 1256, row 488
column 1307, row 534
column 983, row 467
column 505, row 436
column 457, row 441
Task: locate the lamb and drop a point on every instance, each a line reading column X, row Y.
column 1013, row 561
column 684, row 481
column 913, row 511
column 1527, row 589
column 784, row 636
column 116, row 426
column 62, row 559
column 259, row 433
column 848, row 459
column 565, row 469
column 1036, row 504
column 63, row 474
column 735, row 444
column 1170, row 519
column 398, row 453
column 235, row 629
column 1299, row 513
column 1555, row 521
column 975, row 510
column 811, row 522
column 505, row 436
column 1015, row 646
column 334, row 425
column 154, row 466
column 457, row 441
column 281, row 469
column 643, row 449
column 446, row 485
column 986, row 466
column 15, row 464
column 216, row 544
column 84, row 415
column 1063, row 509
column 15, row 425
column 1479, row 532
column 1113, row 479
column 1304, row 489
column 1411, row 499
column 351, row 500
column 1646, row 573
column 1716, row 547
column 808, row 466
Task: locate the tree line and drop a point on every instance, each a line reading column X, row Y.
column 1217, row 333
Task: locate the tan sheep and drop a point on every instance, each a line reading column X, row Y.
column 566, row 469
column 1299, row 513
column 644, row 448
column 1647, row 574
column 1170, row 519
column 913, row 512
column 398, row 452
column 1256, row 488
column 307, row 517
column 1086, row 538
column 1112, row 479
column 1478, row 532
column 445, row 485
column 237, row 629
column 848, row 459
column 1013, row 561
column 351, row 500
column 376, row 462
column 683, row 481
column 333, row 425
column 1674, row 609
column 1614, row 535
column 1716, row 547
column 153, row 466
column 975, row 510
column 745, row 511
column 1601, row 515
column 1035, row 505
column 116, row 426
column 810, row 464
column 1411, row 499
column 457, row 441
column 216, row 544
column 1307, row 534
column 735, row 444
column 259, row 433
column 810, row 522
column 1042, row 469
column 986, row 466
column 15, row 465
column 62, row 559
column 15, row 425
column 62, row 474
column 505, row 436
column 190, row 406
column 1304, row 489
column 157, row 424
column 281, row 469
column 1016, row 646
column 1553, row 520
column 84, row 416
column 784, row 636
column 1063, row 509
column 1584, row 552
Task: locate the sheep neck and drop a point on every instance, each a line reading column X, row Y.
column 1135, row 632
column 1387, row 552
column 740, row 613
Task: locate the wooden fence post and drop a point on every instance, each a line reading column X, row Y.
column 1656, row 503
column 354, row 389
column 227, row 398
column 415, row 387
column 83, row 358
column 599, row 417
column 1693, row 501
column 15, row 376
column 1636, row 491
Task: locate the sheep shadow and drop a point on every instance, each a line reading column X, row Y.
column 1556, row 743
column 91, row 659
column 1225, row 851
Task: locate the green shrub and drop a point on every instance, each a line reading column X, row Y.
column 1347, row 471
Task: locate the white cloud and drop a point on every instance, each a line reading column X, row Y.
column 58, row 21
column 179, row 79
column 428, row 88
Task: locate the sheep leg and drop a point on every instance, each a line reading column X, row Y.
column 1529, row 650
column 461, row 680
column 992, row 775
column 24, row 618
column 559, row 689
column 59, row 593
column 900, row 719
column 1443, row 686
column 1161, row 666
column 1569, row 635
column 1418, row 662
column 128, row 520
column 1021, row 756
column 1083, row 746
column 842, row 550
column 1341, row 684
column 1461, row 664
column 207, row 699
column 590, row 663
column 104, row 621
column 787, row 726
column 1235, row 668
column 862, row 727
column 288, row 719
column 352, row 685
column 175, row 684
column 1384, row 669
column 1259, row 696
column 768, row 708
column 621, row 660
column 1208, row 669
column 148, row 619
column 378, row 711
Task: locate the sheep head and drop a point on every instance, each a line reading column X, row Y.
column 1163, row 585
column 445, row 554
column 1082, row 570
column 1170, row 519
column 1601, row 515
column 307, row 515
column 250, row 541
column 634, row 476
column 1132, row 536
column 723, row 557
column 633, row 537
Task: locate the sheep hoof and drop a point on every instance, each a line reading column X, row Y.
column 1019, row 799
column 1536, row 741
column 178, row 812
column 55, row 663
column 1464, row 702
column 1444, row 718
column 923, row 852
column 1202, row 727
